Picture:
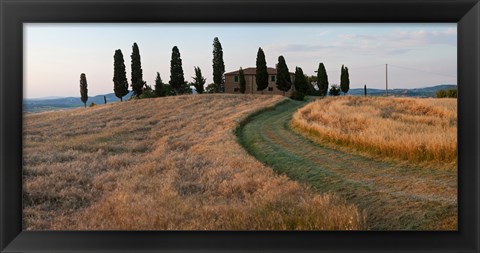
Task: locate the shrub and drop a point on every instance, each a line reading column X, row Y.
column 441, row 94
column 297, row 95
column 148, row 92
column 452, row 93
column 334, row 90
column 92, row 104
column 210, row 88
column 169, row 91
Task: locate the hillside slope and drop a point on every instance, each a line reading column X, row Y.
column 59, row 103
column 167, row 163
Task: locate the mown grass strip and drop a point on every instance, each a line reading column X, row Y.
column 267, row 136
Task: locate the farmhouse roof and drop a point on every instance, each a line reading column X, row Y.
column 253, row 71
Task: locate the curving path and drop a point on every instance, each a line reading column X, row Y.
column 394, row 197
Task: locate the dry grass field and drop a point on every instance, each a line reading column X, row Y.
column 163, row 164
column 409, row 129
column 394, row 195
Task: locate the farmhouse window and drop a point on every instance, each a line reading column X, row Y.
column 270, row 88
column 273, row 78
column 235, row 78
column 236, row 89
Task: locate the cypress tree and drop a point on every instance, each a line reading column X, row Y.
column 120, row 83
column 300, row 83
column 159, row 86
column 137, row 74
column 198, row 80
column 322, row 79
column 261, row 75
column 347, row 79
column 105, row 99
column 344, row 80
column 365, row 90
column 177, row 79
column 241, row 80
column 284, row 82
column 218, row 65
column 342, row 76
column 83, row 89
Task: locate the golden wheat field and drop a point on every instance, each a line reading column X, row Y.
column 413, row 129
column 163, row 164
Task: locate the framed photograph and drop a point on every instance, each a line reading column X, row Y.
column 155, row 125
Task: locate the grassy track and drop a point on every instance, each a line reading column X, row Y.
column 394, row 197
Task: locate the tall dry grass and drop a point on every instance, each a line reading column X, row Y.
column 163, row 164
column 412, row 129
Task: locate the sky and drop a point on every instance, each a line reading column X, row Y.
column 418, row 55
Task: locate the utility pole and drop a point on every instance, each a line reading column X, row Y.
column 386, row 78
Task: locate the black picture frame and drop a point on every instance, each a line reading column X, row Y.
column 13, row 13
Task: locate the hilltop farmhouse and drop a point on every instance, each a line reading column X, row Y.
column 232, row 82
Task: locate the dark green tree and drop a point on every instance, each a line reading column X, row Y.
column 160, row 90
column 198, row 80
column 120, row 84
column 218, row 66
column 83, row 89
column 147, row 91
column 177, row 79
column 210, row 88
column 441, row 93
column 322, row 79
column 300, row 82
column 312, row 85
column 334, row 90
column 365, row 90
column 284, row 81
column 105, row 99
column 137, row 73
column 241, row 80
column 169, row 90
column 297, row 95
column 344, row 80
column 452, row 93
column 186, row 88
column 261, row 75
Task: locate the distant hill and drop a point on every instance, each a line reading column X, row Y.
column 45, row 98
column 418, row 92
column 56, row 103
column 59, row 103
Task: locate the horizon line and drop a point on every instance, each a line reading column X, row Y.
column 70, row 96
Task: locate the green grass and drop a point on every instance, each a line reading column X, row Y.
column 395, row 197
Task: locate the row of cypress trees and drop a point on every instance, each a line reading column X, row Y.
column 139, row 86
column 177, row 83
column 284, row 82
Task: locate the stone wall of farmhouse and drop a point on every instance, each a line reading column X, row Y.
column 232, row 86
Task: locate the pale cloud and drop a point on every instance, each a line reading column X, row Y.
column 321, row 34
column 298, row 47
column 393, row 43
column 397, row 42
